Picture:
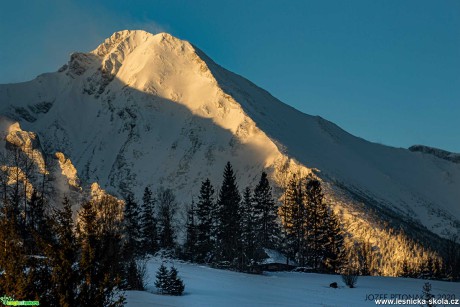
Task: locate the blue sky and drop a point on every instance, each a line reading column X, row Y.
column 384, row 70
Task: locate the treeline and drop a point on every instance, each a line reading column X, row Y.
column 398, row 255
column 230, row 230
column 233, row 230
column 59, row 258
column 45, row 255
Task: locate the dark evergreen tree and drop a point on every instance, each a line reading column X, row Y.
column 132, row 245
column 191, row 240
column 205, row 213
column 229, row 242
column 333, row 256
column 162, row 278
column 427, row 295
column 34, row 223
column 266, row 214
column 88, row 262
column 13, row 260
column 252, row 252
column 134, row 278
column 24, row 269
column 405, row 270
column 294, row 220
column 316, row 227
column 167, row 281
column 149, row 233
column 62, row 255
column 175, row 285
column 99, row 235
column 452, row 258
column 167, row 210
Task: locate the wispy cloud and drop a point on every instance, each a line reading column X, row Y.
column 54, row 29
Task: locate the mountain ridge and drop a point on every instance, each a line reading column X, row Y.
column 145, row 109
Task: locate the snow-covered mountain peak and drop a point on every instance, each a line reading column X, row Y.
column 153, row 110
column 144, row 61
column 130, row 37
column 125, row 42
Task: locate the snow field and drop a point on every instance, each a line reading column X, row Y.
column 205, row 286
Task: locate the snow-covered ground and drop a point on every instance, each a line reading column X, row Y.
column 211, row 287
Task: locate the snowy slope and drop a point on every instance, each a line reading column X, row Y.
column 145, row 109
column 158, row 118
column 211, row 287
column 443, row 154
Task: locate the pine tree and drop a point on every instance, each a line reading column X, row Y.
column 133, row 277
column 251, row 252
column 88, row 265
column 265, row 211
column 205, row 221
column 366, row 258
column 148, row 227
column 452, row 258
column 99, row 236
column 175, row 285
column 405, row 271
column 13, row 260
column 229, row 217
column 333, row 250
column 428, row 268
column 24, row 269
column 191, row 240
column 167, row 209
column 427, row 295
column 162, row 279
column 316, row 228
column 62, row 254
column 294, row 220
column 132, row 246
column 34, row 222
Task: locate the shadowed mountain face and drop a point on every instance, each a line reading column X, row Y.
column 147, row 109
column 442, row 154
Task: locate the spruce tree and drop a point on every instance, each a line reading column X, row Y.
column 148, row 226
column 167, row 209
column 175, row 285
column 229, row 242
column 250, row 248
column 133, row 277
column 317, row 226
column 265, row 211
column 88, row 265
column 99, row 236
column 62, row 254
column 294, row 220
column 191, row 240
column 333, row 253
column 34, row 222
column 162, row 279
column 132, row 246
column 13, row 260
column 24, row 270
column 405, row 271
column 205, row 213
column 427, row 295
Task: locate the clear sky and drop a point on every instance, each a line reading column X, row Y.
column 384, row 70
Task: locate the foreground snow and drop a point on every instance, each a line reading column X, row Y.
column 210, row 287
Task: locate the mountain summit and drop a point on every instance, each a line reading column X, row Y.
column 144, row 109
